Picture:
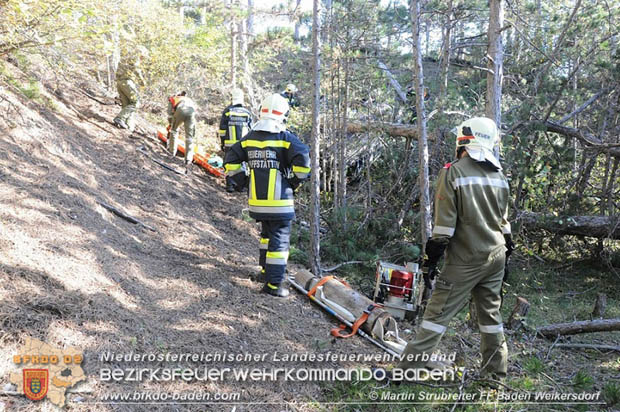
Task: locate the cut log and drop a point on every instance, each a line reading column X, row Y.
column 599, row 306
column 517, row 317
column 587, row 346
column 573, row 328
column 593, row 226
column 351, row 305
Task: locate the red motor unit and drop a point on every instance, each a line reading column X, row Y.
column 401, row 283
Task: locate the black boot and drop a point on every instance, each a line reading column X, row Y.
column 119, row 123
column 230, row 188
column 278, row 290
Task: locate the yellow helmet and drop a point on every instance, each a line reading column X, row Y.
column 273, row 114
column 291, row 88
column 237, row 96
column 479, row 136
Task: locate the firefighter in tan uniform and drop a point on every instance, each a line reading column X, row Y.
column 471, row 209
column 182, row 111
column 128, row 77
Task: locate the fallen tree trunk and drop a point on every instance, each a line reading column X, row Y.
column 593, row 226
column 585, row 326
column 393, row 129
column 588, row 139
column 587, row 346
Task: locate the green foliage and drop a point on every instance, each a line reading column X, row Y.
column 534, row 365
column 582, row 380
column 611, row 393
column 32, row 90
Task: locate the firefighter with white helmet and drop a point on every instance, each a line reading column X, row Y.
column 278, row 162
column 290, row 94
column 471, row 226
column 235, row 123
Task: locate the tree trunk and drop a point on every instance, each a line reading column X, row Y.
column 342, row 161
column 391, row 129
column 427, row 33
column 585, row 326
column 600, row 305
column 425, row 206
column 243, row 38
column 233, row 45
column 327, row 6
column 315, row 205
column 495, row 56
column 248, row 35
column 472, row 322
column 445, row 57
column 593, row 226
column 515, row 321
column 297, row 22
column 393, row 82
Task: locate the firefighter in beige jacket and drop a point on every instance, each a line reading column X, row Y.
column 471, row 226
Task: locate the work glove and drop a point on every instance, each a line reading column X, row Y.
column 510, row 246
column 294, row 182
column 434, row 251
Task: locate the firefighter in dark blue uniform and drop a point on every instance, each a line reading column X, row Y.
column 290, row 94
column 278, row 162
column 235, row 123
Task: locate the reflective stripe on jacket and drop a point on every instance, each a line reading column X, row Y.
column 471, row 208
column 274, row 161
column 234, row 124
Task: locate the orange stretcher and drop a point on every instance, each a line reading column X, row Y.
column 199, row 159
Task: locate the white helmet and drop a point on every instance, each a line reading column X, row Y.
column 237, row 96
column 143, row 51
column 291, row 88
column 273, row 113
column 479, row 136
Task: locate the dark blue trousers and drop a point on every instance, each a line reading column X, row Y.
column 274, row 245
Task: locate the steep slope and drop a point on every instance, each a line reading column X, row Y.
column 74, row 274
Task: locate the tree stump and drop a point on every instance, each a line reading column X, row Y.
column 472, row 322
column 516, row 319
column 599, row 306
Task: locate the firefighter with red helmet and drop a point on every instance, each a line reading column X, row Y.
column 182, row 111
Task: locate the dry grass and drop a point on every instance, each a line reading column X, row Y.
column 73, row 274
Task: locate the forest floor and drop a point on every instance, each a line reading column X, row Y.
column 73, row 274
